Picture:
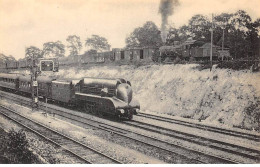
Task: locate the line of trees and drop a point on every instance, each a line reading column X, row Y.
column 4, row 58
column 242, row 35
column 57, row 49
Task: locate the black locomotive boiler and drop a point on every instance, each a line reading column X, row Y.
column 100, row 95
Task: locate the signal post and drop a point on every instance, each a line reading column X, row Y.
column 38, row 66
column 34, row 84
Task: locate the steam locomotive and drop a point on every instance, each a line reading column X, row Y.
column 193, row 50
column 189, row 50
column 93, row 95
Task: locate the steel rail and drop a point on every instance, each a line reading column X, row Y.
column 215, row 144
column 223, row 159
column 203, row 127
column 59, row 135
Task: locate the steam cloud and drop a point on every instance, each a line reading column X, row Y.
column 166, row 9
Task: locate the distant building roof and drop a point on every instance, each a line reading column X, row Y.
column 116, row 49
column 138, row 48
column 208, row 45
column 169, row 48
column 189, row 42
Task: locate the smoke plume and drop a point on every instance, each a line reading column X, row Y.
column 166, row 9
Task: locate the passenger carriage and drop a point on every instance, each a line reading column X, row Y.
column 9, row 81
column 25, row 84
column 12, row 65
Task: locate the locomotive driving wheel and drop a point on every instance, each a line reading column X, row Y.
column 99, row 112
column 130, row 116
column 130, row 113
column 117, row 117
column 86, row 108
column 92, row 109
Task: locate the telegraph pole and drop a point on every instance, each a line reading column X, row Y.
column 211, row 43
column 223, row 39
column 223, row 27
column 34, row 84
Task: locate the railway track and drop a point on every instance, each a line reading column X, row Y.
column 99, row 125
column 185, row 153
column 203, row 127
column 195, row 156
column 80, row 151
column 211, row 143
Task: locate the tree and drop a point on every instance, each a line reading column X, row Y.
column 91, row 52
column 237, row 35
column 75, row 44
column 257, row 26
column 222, row 23
column 174, row 34
column 241, row 34
column 147, row 35
column 33, row 51
column 10, row 58
column 98, row 43
column 184, row 33
column 53, row 49
column 254, row 37
column 4, row 58
column 199, row 26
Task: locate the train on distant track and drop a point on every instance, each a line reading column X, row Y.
column 190, row 50
column 25, row 64
column 193, row 50
column 94, row 95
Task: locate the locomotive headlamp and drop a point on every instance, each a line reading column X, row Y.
column 136, row 111
column 122, row 111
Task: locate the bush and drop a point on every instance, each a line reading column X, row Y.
column 16, row 148
column 236, row 64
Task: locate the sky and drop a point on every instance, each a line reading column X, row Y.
column 25, row 23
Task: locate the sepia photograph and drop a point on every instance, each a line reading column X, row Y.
column 129, row 82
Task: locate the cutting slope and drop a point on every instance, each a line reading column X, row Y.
column 219, row 96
